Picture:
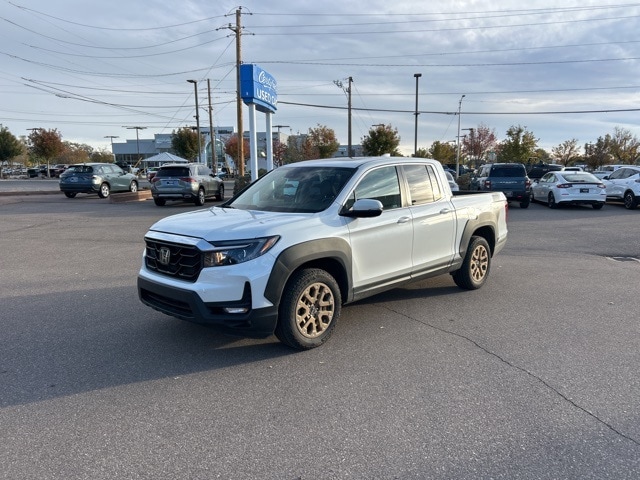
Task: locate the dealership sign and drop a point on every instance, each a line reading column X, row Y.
column 259, row 88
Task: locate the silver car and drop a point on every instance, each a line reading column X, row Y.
column 192, row 182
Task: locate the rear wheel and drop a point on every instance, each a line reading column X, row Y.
column 133, row 187
column 476, row 265
column 200, row 199
column 598, row 206
column 159, row 201
column 525, row 203
column 70, row 194
column 630, row 201
column 551, row 201
column 104, row 190
column 309, row 309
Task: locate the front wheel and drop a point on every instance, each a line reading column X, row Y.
column 309, row 309
column 476, row 265
column 104, row 190
column 70, row 194
column 133, row 187
column 630, row 201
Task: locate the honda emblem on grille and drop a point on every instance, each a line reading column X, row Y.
column 164, row 255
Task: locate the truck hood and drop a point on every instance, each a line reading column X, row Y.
column 228, row 223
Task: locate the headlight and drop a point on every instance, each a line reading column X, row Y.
column 238, row 251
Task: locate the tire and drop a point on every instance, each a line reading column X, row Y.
column 159, row 202
column 133, row 187
column 476, row 265
column 200, row 199
column 598, row 206
column 630, row 201
column 70, row 194
column 104, row 190
column 551, row 201
column 309, row 309
column 525, row 203
column 220, row 193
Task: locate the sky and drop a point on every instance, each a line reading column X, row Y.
column 93, row 70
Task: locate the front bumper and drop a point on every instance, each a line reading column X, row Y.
column 187, row 305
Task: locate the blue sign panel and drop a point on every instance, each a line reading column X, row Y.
column 258, row 87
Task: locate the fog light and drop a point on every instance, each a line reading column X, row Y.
column 235, row 309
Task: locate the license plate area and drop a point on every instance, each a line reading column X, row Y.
column 584, row 190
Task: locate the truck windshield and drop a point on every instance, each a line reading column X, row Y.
column 294, row 189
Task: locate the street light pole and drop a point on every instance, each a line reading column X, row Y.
column 137, row 129
column 111, row 137
column 195, row 89
column 415, row 135
column 458, row 151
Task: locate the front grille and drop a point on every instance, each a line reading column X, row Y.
column 178, row 261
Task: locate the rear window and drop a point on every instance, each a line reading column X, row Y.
column 508, row 171
column 79, row 169
column 172, row 172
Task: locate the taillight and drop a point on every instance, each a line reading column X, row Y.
column 487, row 184
column 188, row 180
column 154, row 179
column 564, row 185
column 602, row 185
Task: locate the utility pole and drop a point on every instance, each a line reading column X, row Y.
column 195, row 89
column 237, row 29
column 415, row 135
column 212, row 134
column 348, row 92
column 458, row 152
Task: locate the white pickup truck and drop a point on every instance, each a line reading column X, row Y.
column 288, row 251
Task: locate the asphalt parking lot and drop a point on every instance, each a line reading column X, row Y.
column 534, row 376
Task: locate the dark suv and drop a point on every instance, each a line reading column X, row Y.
column 508, row 178
column 192, row 182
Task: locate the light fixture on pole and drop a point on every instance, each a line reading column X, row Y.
column 415, row 135
column 458, row 151
column 195, row 89
column 111, row 137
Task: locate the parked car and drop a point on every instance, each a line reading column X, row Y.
column 452, row 181
column 538, row 170
column 192, row 182
column 151, row 172
column 606, row 170
column 508, row 178
column 568, row 187
column 100, row 178
column 624, row 184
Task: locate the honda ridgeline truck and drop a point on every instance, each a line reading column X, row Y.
column 286, row 253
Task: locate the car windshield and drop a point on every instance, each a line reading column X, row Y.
column 296, row 190
column 576, row 177
column 173, row 172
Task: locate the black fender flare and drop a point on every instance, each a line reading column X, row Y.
column 331, row 254
column 484, row 225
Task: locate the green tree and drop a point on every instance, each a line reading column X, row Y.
column 76, row 153
column 294, row 152
column 323, row 140
column 566, row 152
column 624, row 146
column 45, row 145
column 597, row 154
column 443, row 152
column 422, row 153
column 101, row 156
column 184, row 143
column 519, row 146
column 10, row 146
column 380, row 140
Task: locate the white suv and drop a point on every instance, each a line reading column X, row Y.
column 624, row 184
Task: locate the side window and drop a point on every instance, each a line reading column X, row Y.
column 617, row 174
column 379, row 184
column 423, row 186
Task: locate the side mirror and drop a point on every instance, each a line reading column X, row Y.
column 364, row 208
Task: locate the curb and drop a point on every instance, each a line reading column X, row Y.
column 130, row 196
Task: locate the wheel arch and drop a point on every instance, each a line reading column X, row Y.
column 332, row 255
column 480, row 228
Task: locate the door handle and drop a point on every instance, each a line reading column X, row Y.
column 404, row 219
